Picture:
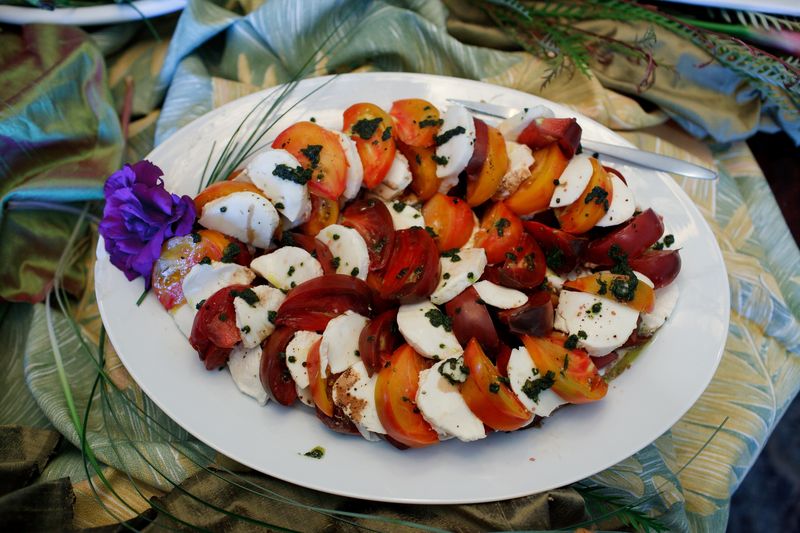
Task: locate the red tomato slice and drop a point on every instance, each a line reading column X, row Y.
column 561, row 250
column 524, row 267
column 318, row 384
column 416, row 121
column 313, row 303
column 324, row 212
column 371, row 219
column 534, row 317
column 482, row 184
column 371, row 128
column 501, row 362
column 575, row 377
column 487, row 396
column 661, row 266
column 424, row 181
column 378, row 340
column 214, row 328
column 395, row 393
column 274, row 374
column 500, row 232
column 639, row 234
column 413, row 269
column 471, row 319
column 542, row 132
column 316, row 248
column 319, row 150
column 451, row 220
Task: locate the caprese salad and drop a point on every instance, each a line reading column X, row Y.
column 418, row 275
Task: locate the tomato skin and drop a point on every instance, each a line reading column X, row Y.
column 329, row 166
column 471, row 319
column 579, row 382
column 639, row 234
column 479, row 149
column 376, row 151
column 313, row 303
column 534, row 317
column 395, row 393
column 214, row 329
column 501, row 361
column 316, row 248
column 323, row 399
column 413, row 269
column 451, row 220
column 378, row 340
column 221, row 189
column 584, row 213
column 501, row 410
column 525, row 267
column 274, row 374
column 600, row 283
column 564, row 132
column 424, row 182
column 482, row 185
column 408, row 114
column 371, row 219
column 534, row 194
column 500, row 232
column 324, row 212
column 661, row 266
column 565, row 249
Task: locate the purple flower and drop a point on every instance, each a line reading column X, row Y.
column 139, row 216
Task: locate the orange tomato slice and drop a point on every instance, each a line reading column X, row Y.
column 485, row 184
column 501, row 231
column 371, row 129
column 581, row 216
column 534, row 194
column 416, row 121
column 451, row 220
column 324, row 212
column 602, row 284
column 220, row 190
column 424, row 182
column 318, row 384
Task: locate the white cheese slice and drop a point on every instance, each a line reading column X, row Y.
column 354, row 392
column 355, row 169
column 520, row 160
column 183, row 315
column 554, row 279
column 396, row 180
column 441, row 404
column 500, row 297
column 404, row 215
column 253, row 320
column 290, row 198
column 304, row 395
column 203, row 280
column 349, row 247
column 418, row 331
column 245, row 215
column 513, row 126
column 244, row 364
column 572, row 181
column 521, row 368
column 456, row 276
column 605, row 330
column 297, row 355
column 340, row 341
column 287, row 267
column 622, row 204
column 666, row 298
column 456, row 151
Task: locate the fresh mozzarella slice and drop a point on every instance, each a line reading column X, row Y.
column 442, row 405
column 520, row 160
column 245, row 215
column 500, row 297
column 454, row 154
column 457, row 272
column 513, row 126
column 340, row 341
column 666, row 298
column 304, row 395
column 354, row 392
column 416, row 323
column 521, row 368
column 622, row 205
column 396, row 180
column 476, row 226
column 289, row 197
column 287, row 267
column 572, row 181
column 297, row 354
column 183, row 315
column 605, row 330
column 404, row 215
column 253, row 319
column 554, row 279
column 203, row 280
column 244, row 364
column 348, row 248
column 355, row 169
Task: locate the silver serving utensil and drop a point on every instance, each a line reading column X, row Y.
column 634, row 156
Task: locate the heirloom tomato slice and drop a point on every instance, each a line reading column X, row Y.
column 424, row 181
column 603, row 284
column 416, row 121
column 319, row 151
column 661, row 266
column 315, row 247
column 413, row 269
column 274, row 374
column 534, row 194
column 371, row 128
column 632, row 239
column 378, row 340
column 483, row 185
column 524, row 267
column 561, row 249
column 214, row 330
column 500, row 232
column 318, row 382
column 581, row 215
column 471, row 319
column 395, row 393
column 451, row 220
column 324, row 212
column 313, row 303
column 371, row 219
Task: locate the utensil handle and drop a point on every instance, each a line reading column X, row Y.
column 650, row 160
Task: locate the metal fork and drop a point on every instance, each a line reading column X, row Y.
column 634, row 156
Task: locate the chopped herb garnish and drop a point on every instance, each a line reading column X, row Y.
column 290, row 272
column 439, row 159
column 431, row 231
column 291, row 359
column 571, row 343
column 223, row 209
column 510, row 256
column 200, row 304
column 582, row 334
column 399, row 206
column 279, row 205
column 231, row 251
column 430, row 122
column 379, row 245
column 446, row 275
column 597, row 307
column 196, row 237
column 246, row 329
column 449, row 134
column 452, row 254
column 335, row 262
column 223, row 317
column 401, row 273
column 366, row 127
column 387, row 134
column 205, row 261
column 554, row 258
column 437, row 318
column 317, row 452
column 336, row 237
column 354, row 272
column 533, row 387
column 272, row 316
column 248, row 295
column 599, row 195
column 312, row 153
column 501, row 225
column 298, row 175
column 669, row 240
column 494, row 388
column 418, row 159
column 602, row 287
